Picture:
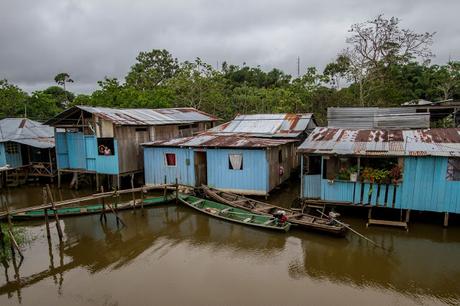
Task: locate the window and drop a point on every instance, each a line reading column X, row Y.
column 105, row 146
column 170, row 159
column 12, row 148
column 453, row 169
column 311, row 165
column 280, row 156
column 141, row 129
column 235, row 161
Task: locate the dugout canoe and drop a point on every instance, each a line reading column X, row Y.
column 233, row 214
column 88, row 209
column 302, row 220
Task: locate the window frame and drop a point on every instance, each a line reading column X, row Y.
column 166, row 159
column 230, row 167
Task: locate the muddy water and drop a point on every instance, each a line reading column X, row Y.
column 174, row 256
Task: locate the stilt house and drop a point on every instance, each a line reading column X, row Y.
column 251, row 154
column 107, row 141
column 402, row 169
column 26, row 146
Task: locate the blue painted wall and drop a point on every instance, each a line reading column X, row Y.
column 78, row 151
column 15, row 159
column 252, row 179
column 424, row 187
column 156, row 169
column 2, row 155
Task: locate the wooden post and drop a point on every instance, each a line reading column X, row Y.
column 51, row 165
column 142, row 199
column 407, row 215
column 177, row 192
column 59, row 179
column 56, row 217
column 103, row 207
column 47, row 222
column 165, row 192
column 132, row 187
column 14, row 244
column 97, row 182
column 446, row 219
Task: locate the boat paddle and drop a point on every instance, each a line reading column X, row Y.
column 352, row 230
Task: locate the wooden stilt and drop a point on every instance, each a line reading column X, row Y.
column 47, row 222
column 446, row 219
column 97, row 182
column 14, row 244
column 117, row 199
column 56, row 217
column 142, row 199
column 177, row 192
column 132, row 193
column 165, row 191
column 59, row 179
column 103, row 207
column 407, row 215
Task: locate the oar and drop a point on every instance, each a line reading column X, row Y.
column 352, row 230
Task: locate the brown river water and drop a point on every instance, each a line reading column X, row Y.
column 172, row 255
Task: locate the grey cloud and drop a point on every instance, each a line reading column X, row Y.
column 92, row 39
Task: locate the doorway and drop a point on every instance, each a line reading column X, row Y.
column 201, row 171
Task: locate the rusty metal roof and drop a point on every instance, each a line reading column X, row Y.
column 26, row 131
column 267, row 125
column 207, row 139
column 140, row 116
column 379, row 142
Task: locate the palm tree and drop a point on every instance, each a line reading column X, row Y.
column 61, row 79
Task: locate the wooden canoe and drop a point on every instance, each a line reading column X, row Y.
column 229, row 213
column 305, row 221
column 88, row 209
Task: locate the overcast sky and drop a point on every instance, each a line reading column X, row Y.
column 92, row 39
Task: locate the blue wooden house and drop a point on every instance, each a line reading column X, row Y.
column 401, row 169
column 28, row 146
column 106, row 141
column 251, row 154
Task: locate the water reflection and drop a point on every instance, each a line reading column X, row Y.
column 421, row 263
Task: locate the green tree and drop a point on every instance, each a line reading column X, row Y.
column 152, row 69
column 12, row 100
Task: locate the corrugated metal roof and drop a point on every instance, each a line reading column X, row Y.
column 221, row 141
column 141, row 116
column 380, row 142
column 27, row 132
column 267, row 125
column 375, row 117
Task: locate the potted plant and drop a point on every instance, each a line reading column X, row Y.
column 353, row 173
column 395, row 174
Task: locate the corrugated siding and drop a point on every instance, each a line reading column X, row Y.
column 341, row 191
column 252, row 179
column 91, row 152
column 62, row 155
column 108, row 164
column 156, row 170
column 76, row 150
column 14, row 160
column 312, row 186
column 425, row 186
column 2, row 155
